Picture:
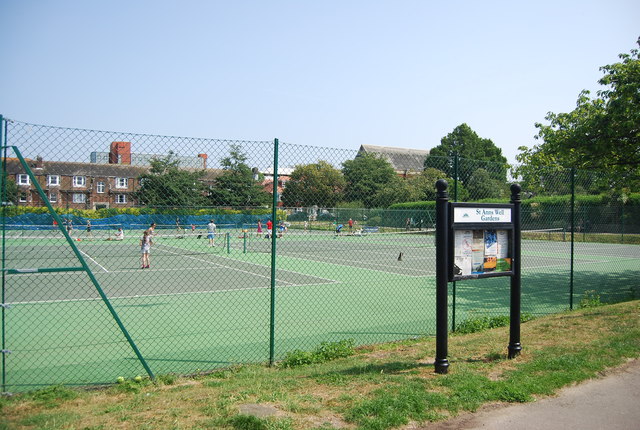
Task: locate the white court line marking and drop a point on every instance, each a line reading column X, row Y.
column 220, row 265
column 92, row 260
column 251, row 264
column 138, row 296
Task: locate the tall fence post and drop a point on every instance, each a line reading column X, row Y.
column 3, row 183
column 84, row 266
column 442, row 220
column 573, row 229
column 516, row 285
column 274, row 213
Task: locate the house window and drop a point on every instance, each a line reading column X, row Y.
column 79, row 181
column 121, row 198
column 22, row 197
column 53, row 197
column 122, row 182
column 53, row 180
column 79, row 197
column 22, row 179
column 100, row 187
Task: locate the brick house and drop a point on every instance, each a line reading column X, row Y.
column 93, row 185
column 76, row 185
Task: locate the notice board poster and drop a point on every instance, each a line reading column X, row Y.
column 479, row 252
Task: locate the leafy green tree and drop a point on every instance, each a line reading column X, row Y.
column 11, row 191
column 166, row 184
column 312, row 184
column 482, row 186
column 600, row 133
column 473, row 152
column 365, row 176
column 237, row 186
column 425, row 185
column 397, row 190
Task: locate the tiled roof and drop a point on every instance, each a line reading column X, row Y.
column 402, row 159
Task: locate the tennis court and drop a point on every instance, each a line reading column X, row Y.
column 210, row 306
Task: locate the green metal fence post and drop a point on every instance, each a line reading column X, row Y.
column 274, row 213
column 3, row 182
column 84, row 264
column 622, row 220
column 573, row 217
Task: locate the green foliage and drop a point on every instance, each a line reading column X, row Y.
column 249, row 422
column 590, row 299
column 326, row 351
column 482, row 185
column 600, row 133
column 366, row 176
column 314, row 184
column 425, row 205
column 474, row 325
column 237, row 186
column 167, row 185
column 51, row 397
column 474, row 153
column 11, row 190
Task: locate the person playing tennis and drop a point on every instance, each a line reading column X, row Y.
column 145, row 247
column 211, row 232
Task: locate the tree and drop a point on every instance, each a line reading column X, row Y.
column 11, row 191
column 425, row 185
column 237, row 186
column 482, row 186
column 397, row 190
column 473, row 152
column 601, row 133
column 318, row 184
column 366, row 175
column 167, row 185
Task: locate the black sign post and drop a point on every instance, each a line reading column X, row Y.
column 474, row 241
column 442, row 257
column 514, row 325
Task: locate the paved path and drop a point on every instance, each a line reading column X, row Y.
column 611, row 402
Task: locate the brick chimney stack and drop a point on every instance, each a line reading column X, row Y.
column 120, row 153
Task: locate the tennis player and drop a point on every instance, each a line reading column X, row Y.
column 145, row 247
column 211, row 232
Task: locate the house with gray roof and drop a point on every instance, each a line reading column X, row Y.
column 405, row 161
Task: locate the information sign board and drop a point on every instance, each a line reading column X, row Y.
column 480, row 241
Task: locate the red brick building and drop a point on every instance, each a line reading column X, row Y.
column 85, row 185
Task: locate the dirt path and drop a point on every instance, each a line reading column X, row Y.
column 610, row 402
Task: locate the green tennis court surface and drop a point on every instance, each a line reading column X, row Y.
column 201, row 307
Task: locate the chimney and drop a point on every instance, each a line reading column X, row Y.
column 120, row 153
column 39, row 162
column 204, row 160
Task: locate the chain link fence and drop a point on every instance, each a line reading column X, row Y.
column 259, row 248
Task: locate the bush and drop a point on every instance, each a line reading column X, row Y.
column 590, row 299
column 326, row 351
column 474, row 325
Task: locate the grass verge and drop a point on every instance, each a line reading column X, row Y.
column 378, row 387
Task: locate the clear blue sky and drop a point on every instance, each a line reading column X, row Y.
column 321, row 73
